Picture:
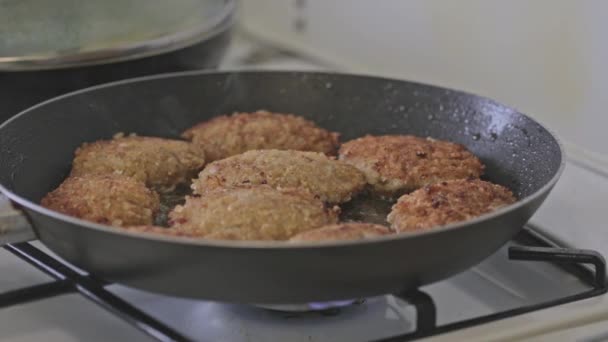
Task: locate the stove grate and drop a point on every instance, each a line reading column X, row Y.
column 561, row 256
column 87, row 286
column 68, row 281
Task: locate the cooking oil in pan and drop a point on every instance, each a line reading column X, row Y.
column 366, row 208
column 168, row 201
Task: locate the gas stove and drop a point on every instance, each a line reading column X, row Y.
column 538, row 283
column 519, row 278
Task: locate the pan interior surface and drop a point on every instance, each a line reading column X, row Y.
column 37, row 148
column 518, row 152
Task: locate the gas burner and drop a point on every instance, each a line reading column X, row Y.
column 312, row 306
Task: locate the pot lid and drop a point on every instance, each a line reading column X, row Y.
column 37, row 35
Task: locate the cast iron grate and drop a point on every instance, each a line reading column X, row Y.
column 69, row 281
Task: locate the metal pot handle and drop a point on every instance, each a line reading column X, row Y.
column 14, row 226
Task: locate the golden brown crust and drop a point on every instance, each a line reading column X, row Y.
column 394, row 164
column 447, row 202
column 330, row 180
column 150, row 229
column 160, row 163
column 342, row 231
column 189, row 232
column 225, row 136
column 255, row 213
column 108, row 199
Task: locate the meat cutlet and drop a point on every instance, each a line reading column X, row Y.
column 447, row 202
column 328, row 179
column 228, row 135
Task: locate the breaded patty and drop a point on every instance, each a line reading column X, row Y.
column 255, row 213
column 342, row 231
column 447, row 202
column 330, row 180
column 149, row 229
column 109, row 199
column 160, row 163
column 395, row 164
column 227, row 135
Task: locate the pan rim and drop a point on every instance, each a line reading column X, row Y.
column 278, row 245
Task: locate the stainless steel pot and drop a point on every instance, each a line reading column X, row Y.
column 50, row 48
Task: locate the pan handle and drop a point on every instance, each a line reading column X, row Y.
column 14, row 226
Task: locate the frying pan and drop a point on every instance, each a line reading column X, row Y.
column 37, row 147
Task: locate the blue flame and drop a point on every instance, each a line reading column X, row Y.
column 331, row 304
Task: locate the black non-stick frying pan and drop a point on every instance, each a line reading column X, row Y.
column 37, row 148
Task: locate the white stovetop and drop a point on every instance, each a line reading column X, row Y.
column 573, row 212
column 580, row 321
